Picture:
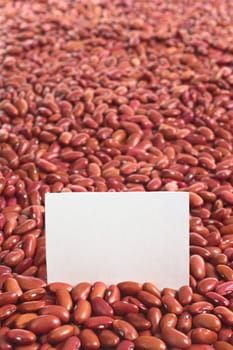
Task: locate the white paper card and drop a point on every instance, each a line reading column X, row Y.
column 118, row 236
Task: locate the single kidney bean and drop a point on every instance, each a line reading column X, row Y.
column 172, row 305
column 207, row 285
column 56, row 310
column 98, row 290
column 6, row 311
column 199, row 307
column 101, row 308
column 175, row 338
column 125, row 329
column 22, row 320
column 203, row 336
column 20, row 337
column 31, row 306
column 138, row 320
column 112, row 294
column 129, row 287
column 43, row 324
column 154, row 315
column 8, row 298
column 82, row 311
column 89, row 339
column 33, row 294
column 151, row 288
column 217, row 299
column 168, row 320
column 197, row 267
column 63, row 298
column 27, row 283
column 96, row 322
column 185, row 295
column 123, row 307
column 81, row 291
column 148, row 299
column 54, row 286
column 108, row 338
column 60, row 334
column 149, row 343
column 209, row 321
column 224, row 314
column 184, row 323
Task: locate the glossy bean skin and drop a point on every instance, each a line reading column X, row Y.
column 82, row 311
column 108, row 338
column 43, row 324
column 150, row 343
column 125, row 330
column 89, row 339
column 56, row 310
column 203, row 336
column 209, row 321
column 20, row 337
column 175, row 338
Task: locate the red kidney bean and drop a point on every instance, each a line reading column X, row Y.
column 20, row 337
column 175, row 338
column 81, row 291
column 89, row 339
column 217, row 299
column 148, row 299
column 185, row 295
column 98, row 290
column 154, row 315
column 123, row 307
column 203, row 336
column 125, row 329
column 112, row 294
column 8, row 298
column 56, row 310
column 43, row 324
column 197, row 266
column 22, row 320
column 151, row 288
column 82, row 311
column 224, row 314
column 138, row 321
column 27, row 283
column 63, row 298
column 171, row 304
column 96, row 322
column 60, row 334
column 207, row 285
column 209, row 321
column 7, row 310
column 168, row 320
column 200, row 306
column 108, row 338
column 184, row 323
column 101, row 308
column 149, row 343
column 129, row 288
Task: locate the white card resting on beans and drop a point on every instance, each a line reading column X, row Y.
column 118, row 236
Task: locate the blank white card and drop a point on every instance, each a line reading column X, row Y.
column 118, row 236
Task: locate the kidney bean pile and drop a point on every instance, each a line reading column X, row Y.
column 121, row 95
